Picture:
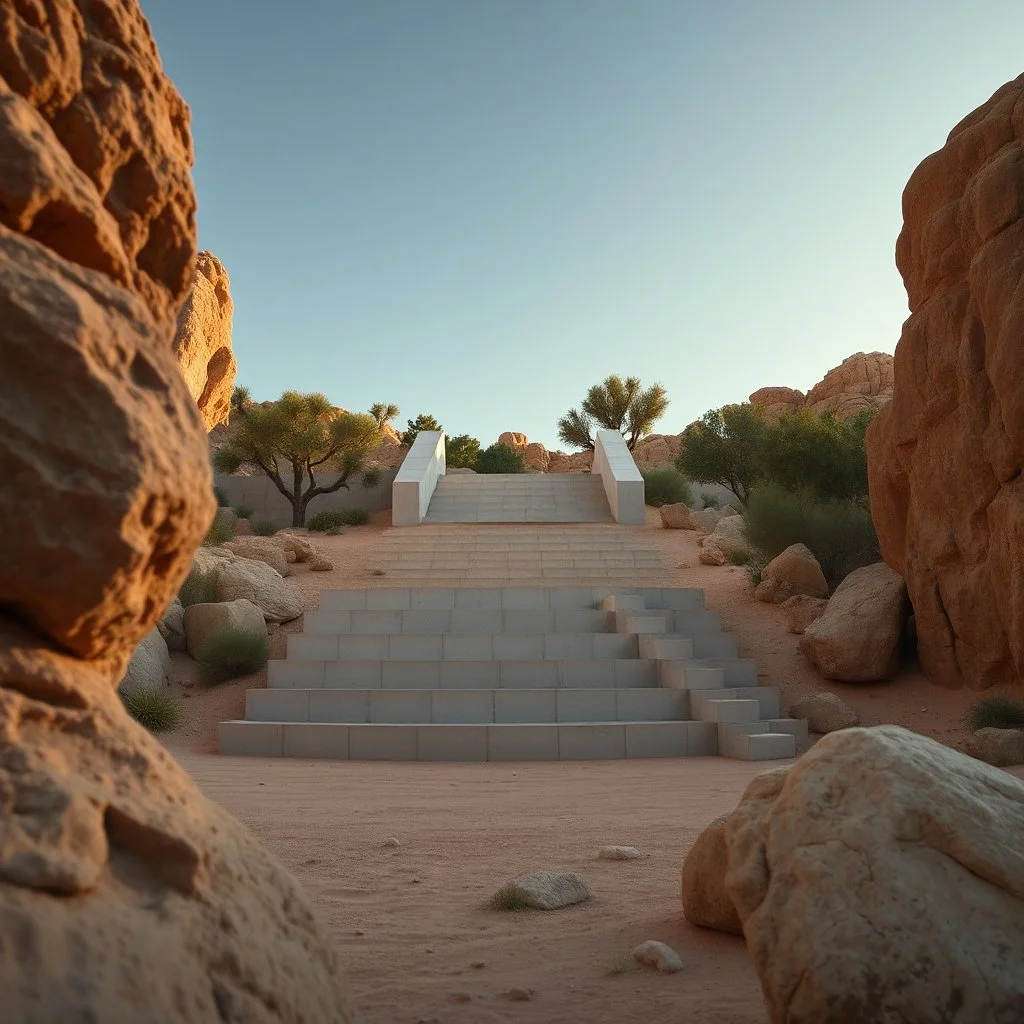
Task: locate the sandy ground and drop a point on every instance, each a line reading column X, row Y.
column 409, row 922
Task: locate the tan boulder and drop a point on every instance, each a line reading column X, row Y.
column 801, row 611
column 172, row 626
column 706, row 519
column 792, row 572
column 576, row 462
column 1001, row 747
column 203, row 620
column 657, row 451
column 857, row 639
column 945, row 458
column 678, row 516
column 536, row 456
column 202, row 342
column 778, row 401
column 263, row 549
column 859, row 383
column 513, row 440
column 705, row 900
column 881, row 879
column 129, row 895
column 254, row 580
column 321, row 564
column 150, row 667
column 296, row 547
column 825, row 712
column 726, row 540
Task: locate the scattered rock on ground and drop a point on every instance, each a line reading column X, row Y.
column 706, row 519
column 391, row 841
column 705, row 900
column 881, row 879
column 658, row 955
column 825, row 712
column 203, row 620
column 237, row 577
column 619, row 853
column 723, row 542
column 792, row 572
column 150, row 667
column 518, row 995
column 550, row 890
column 322, row 564
column 857, row 639
column 801, row 611
column 299, row 547
column 262, row 549
column 1001, row 747
column 172, row 626
column 677, row 516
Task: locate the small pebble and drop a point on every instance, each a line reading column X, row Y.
column 619, row 853
column 359, row 931
column 391, row 841
column 518, row 995
column 478, row 965
column 657, row 954
column 416, row 881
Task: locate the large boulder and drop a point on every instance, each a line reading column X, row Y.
column 294, row 545
column 677, row 516
column 882, row 879
column 1000, row 747
column 825, row 712
column 723, row 542
column 857, row 639
column 792, row 572
column 203, row 620
column 266, row 550
column 801, row 611
column 706, row 519
column 124, row 893
column 172, row 626
column 202, row 341
column 150, row 667
column 705, row 899
column 945, row 458
column 238, row 577
column 777, row 401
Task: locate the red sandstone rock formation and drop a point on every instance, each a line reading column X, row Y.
column 127, row 895
column 945, row 457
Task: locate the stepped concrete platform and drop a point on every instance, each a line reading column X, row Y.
column 519, row 498
column 513, row 673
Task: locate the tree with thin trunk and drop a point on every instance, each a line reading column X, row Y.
column 614, row 404
column 383, row 413
column 422, row 422
column 296, row 439
column 727, row 446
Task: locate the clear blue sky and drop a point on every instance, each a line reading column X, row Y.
column 478, row 208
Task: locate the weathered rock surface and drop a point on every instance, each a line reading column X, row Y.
column 150, row 667
column 266, row 550
column 202, row 342
column 238, row 577
column 825, row 712
column 801, row 611
column 293, row 544
column 705, row 900
column 677, row 516
column 172, row 626
column 945, row 458
column 723, row 542
column 659, row 955
column 792, row 572
column 619, row 853
column 203, row 620
column 550, row 890
column 778, row 401
column 1000, row 747
column 124, row 893
column 882, row 878
column 857, row 639
column 706, row 519
column 657, row 451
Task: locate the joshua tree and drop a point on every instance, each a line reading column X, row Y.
column 383, row 413
column 422, row 422
column 615, row 404
column 297, row 436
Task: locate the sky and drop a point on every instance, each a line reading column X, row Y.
column 479, row 208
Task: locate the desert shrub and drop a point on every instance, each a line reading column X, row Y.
column 220, row 532
column 354, row 517
column 370, row 477
column 264, row 528
column 839, row 532
column 244, row 512
column 508, row 897
column 756, row 564
column 996, row 712
column 665, row 487
column 461, row 451
column 153, row 709
column 499, row 458
column 328, row 519
column 740, row 557
column 198, row 588
column 230, row 653
column 726, row 447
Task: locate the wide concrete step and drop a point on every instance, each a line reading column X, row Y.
column 465, row 706
column 767, row 698
column 503, row 597
column 496, row 742
column 462, row 675
column 673, row 646
column 467, row 646
column 436, row 621
column 708, row 673
column 762, row 740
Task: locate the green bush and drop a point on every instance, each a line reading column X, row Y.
column 244, row 512
column 198, row 588
column 740, row 557
column 370, row 478
column 354, row 517
column 331, row 520
column 995, row 712
column 665, row 487
column 230, row 653
column 756, row 565
column 220, row 532
column 461, row 451
column 264, row 528
column 499, row 458
column 839, row 533
column 154, row 710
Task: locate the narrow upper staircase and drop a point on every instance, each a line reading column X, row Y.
column 519, row 498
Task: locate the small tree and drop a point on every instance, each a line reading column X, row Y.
column 614, row 404
column 297, row 436
column 499, row 458
column 726, row 446
column 383, row 413
column 422, row 422
column 461, row 451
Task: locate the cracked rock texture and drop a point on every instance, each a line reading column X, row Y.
column 945, row 458
column 124, row 893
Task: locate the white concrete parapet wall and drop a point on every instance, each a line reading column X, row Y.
column 414, row 486
column 622, row 481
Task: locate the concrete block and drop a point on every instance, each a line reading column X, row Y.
column 316, row 740
column 410, row 675
column 591, row 742
column 302, row 647
column 451, row 707
column 652, row 704
column 467, row 647
column 525, row 706
column 527, row 620
column 731, row 711
column 528, row 674
column 382, row 742
column 571, row 597
column 476, row 620
column 295, row 674
column 426, row 621
column 569, row 646
column 365, row 675
column 657, row 739
column 374, row 623
column 518, row 647
column 469, row 675
column 402, row 647
column 770, row 746
column 586, row 673
column 524, row 597
column 635, row 672
column 252, row 739
column 343, row 600
column 394, row 707
column 359, row 648
column 452, row 742
column 666, row 648
column 714, row 645
column 586, row 705
column 478, row 597
column 321, row 623
column 268, row 705
column 340, row 706
column 440, row 598
column 522, row 742
column 387, row 599
column 615, row 645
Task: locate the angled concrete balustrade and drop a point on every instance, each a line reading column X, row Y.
column 620, row 477
column 415, row 482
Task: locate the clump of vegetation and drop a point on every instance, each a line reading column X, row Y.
column 198, row 588
column 154, row 710
column 383, row 413
column 996, row 712
column 614, row 404
column 331, row 520
column 665, row 487
column 726, row 447
column 756, row 565
column 499, row 458
column 244, row 512
column 839, row 532
column 508, row 897
column 355, row 517
column 230, row 653
column 220, row 532
column 740, row 557
column 422, row 422
column 264, row 528
column 461, row 452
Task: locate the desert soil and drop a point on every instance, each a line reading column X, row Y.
column 409, row 920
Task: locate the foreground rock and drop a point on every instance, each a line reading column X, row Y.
column 125, row 895
column 857, row 639
column 882, row 879
column 705, row 900
column 792, row 573
column 801, row 611
column 547, row 890
column 825, row 712
column 723, row 543
column 150, row 667
column 203, row 620
column 1000, row 747
column 945, row 458
column 202, row 341
column 658, row 955
column 236, row 577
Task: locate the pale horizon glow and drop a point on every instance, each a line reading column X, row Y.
column 478, row 208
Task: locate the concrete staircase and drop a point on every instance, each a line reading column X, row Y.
column 519, row 498
column 513, row 674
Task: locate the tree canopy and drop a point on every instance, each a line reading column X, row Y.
column 614, row 404
column 499, row 458
column 422, row 422
column 461, row 451
column 727, row 447
column 383, row 413
column 294, row 438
